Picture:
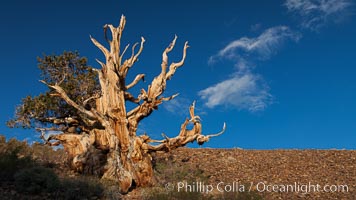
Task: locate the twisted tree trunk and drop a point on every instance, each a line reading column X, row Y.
column 108, row 144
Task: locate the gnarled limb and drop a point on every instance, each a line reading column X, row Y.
column 185, row 136
column 158, row 84
column 133, row 59
column 152, row 99
column 135, row 81
column 65, row 97
column 77, row 146
column 201, row 139
column 47, row 140
column 130, row 97
column 173, row 67
column 86, row 101
column 58, row 120
column 168, row 98
column 101, row 47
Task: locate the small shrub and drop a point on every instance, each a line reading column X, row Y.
column 46, row 155
column 21, row 147
column 29, row 169
column 171, row 172
column 10, row 163
column 111, row 191
column 79, row 188
column 36, row 180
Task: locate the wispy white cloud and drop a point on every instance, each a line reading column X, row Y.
column 316, row 13
column 178, row 105
column 245, row 89
column 244, row 50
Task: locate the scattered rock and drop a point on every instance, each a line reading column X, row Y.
column 272, row 167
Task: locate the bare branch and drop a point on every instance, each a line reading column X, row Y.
column 101, row 77
column 59, row 121
column 133, row 59
column 90, row 113
column 135, row 81
column 169, row 49
column 133, row 50
column 105, row 33
column 47, row 140
column 139, row 51
column 201, row 139
column 173, row 67
column 170, row 143
column 158, row 84
column 123, row 53
column 143, row 140
column 116, row 40
column 165, row 136
column 101, row 47
column 95, row 96
column 131, row 98
column 103, row 66
column 165, row 56
column 63, row 78
column 191, row 110
column 185, row 136
column 116, row 36
column 115, row 44
column 143, row 96
column 157, row 87
column 169, row 98
column 133, row 112
column 217, row 134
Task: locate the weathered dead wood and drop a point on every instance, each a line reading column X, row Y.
column 109, row 130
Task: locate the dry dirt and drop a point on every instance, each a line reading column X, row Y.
column 260, row 170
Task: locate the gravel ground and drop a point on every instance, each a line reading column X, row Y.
column 273, row 174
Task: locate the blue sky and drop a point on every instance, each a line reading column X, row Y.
column 281, row 74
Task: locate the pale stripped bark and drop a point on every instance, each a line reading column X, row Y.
column 110, row 130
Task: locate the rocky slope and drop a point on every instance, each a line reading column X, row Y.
column 267, row 174
column 187, row 173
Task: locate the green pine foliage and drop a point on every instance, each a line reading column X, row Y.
column 73, row 74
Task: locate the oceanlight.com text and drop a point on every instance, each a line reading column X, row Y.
column 263, row 186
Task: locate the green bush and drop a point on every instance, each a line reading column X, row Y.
column 36, row 180
column 111, row 191
column 40, row 180
column 79, row 188
column 12, row 145
column 28, row 168
column 47, row 156
column 10, row 163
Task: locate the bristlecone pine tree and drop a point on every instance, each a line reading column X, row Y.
column 87, row 107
